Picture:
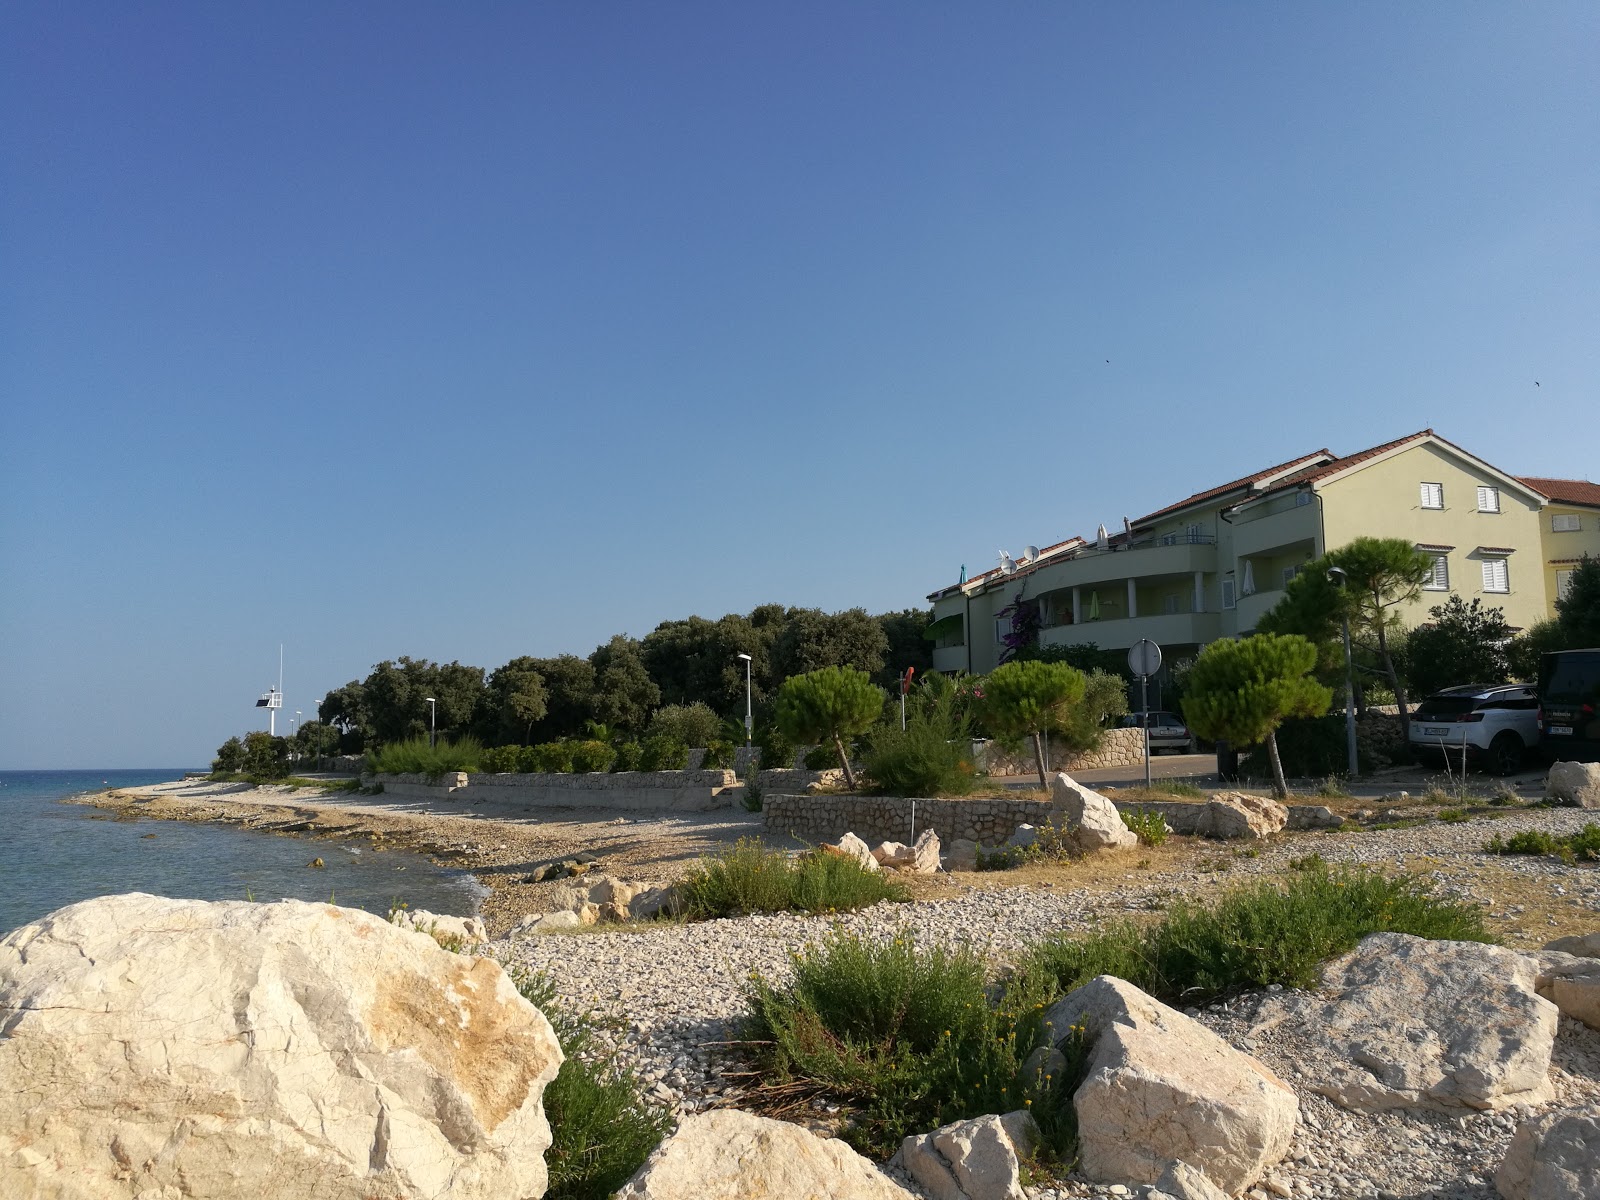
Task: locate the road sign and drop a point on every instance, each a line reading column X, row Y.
column 1144, row 657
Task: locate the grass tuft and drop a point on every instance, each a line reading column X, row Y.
column 1150, row 827
column 1583, row 846
column 1454, row 816
column 749, row 878
column 602, row 1125
column 1257, row 935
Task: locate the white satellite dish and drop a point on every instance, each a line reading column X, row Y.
column 1007, row 564
column 1031, row 553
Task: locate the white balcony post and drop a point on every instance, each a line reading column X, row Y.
column 1133, row 599
column 1077, row 607
column 1199, row 591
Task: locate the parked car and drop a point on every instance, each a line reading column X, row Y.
column 1167, row 731
column 1494, row 726
column 1569, row 705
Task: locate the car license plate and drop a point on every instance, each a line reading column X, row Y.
column 1435, row 731
column 1560, row 730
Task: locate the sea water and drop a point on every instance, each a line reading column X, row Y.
column 53, row 854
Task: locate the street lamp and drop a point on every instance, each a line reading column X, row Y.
column 433, row 713
column 1337, row 575
column 748, row 723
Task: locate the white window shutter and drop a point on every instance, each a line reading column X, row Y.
column 1489, row 499
column 1495, row 576
column 1563, row 583
column 1433, row 495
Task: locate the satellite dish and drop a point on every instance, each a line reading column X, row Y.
column 1007, row 564
column 1031, row 553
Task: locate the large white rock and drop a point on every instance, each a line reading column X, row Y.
column 1555, row 1156
column 925, row 853
column 962, row 855
column 1571, row 983
column 1092, row 821
column 1404, row 1022
column 1180, row 1181
column 977, row 1159
column 1162, row 1088
column 850, row 846
column 1240, row 815
column 1584, row 945
column 464, row 931
column 1574, row 783
column 731, row 1155
column 184, row 1049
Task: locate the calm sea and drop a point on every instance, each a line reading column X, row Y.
column 53, row 854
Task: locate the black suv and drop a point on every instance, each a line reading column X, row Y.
column 1569, row 705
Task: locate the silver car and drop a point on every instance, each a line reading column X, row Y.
column 1167, row 731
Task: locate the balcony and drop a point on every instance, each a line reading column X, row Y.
column 949, row 658
column 1251, row 608
column 1139, row 561
column 1164, row 629
column 1278, row 531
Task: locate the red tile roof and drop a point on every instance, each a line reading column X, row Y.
column 1565, row 491
column 1311, row 474
column 1234, row 485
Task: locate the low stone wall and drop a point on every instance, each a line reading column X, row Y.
column 1118, row 748
column 797, row 779
column 889, row 818
column 650, row 791
column 990, row 820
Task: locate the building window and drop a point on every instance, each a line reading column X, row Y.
column 1563, row 583
column 1489, row 499
column 1495, row 576
column 1439, row 581
column 1289, row 573
column 1301, row 499
column 1565, row 523
column 1002, row 630
column 1227, row 592
column 1170, row 604
column 1433, row 495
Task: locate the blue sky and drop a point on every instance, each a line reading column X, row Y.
column 474, row 331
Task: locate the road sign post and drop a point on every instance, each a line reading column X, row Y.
column 1144, row 660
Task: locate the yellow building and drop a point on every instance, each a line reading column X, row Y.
column 1208, row 566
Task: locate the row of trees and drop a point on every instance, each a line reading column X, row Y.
column 1370, row 580
column 619, row 687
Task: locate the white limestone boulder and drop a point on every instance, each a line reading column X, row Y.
column 1405, row 1022
column 463, row 931
column 1575, row 784
column 850, row 846
column 1091, row 820
column 891, row 854
column 729, row 1155
column 1571, row 983
column 1583, row 945
column 925, row 853
column 1180, row 1181
column 977, row 1159
column 178, row 1048
column 1161, row 1088
column 1555, row 1156
column 1239, row 815
column 962, row 855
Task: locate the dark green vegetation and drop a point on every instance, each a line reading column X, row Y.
column 1583, row 846
column 908, row 1037
column 1242, row 691
column 932, row 756
column 1149, row 827
column 1029, row 699
column 416, row 757
column 1257, row 935
column 748, row 878
column 830, row 705
column 602, row 1125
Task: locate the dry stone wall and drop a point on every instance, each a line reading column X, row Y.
column 671, row 791
column 1118, row 748
column 889, row 818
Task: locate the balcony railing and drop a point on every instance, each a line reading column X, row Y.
column 1179, row 539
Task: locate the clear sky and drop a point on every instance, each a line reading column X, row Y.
column 470, row 331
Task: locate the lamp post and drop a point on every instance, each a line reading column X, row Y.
column 433, row 713
column 749, row 724
column 1337, row 575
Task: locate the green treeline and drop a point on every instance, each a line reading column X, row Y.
column 625, row 685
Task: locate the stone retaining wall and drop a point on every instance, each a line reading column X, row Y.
column 889, row 818
column 672, row 791
column 990, row 820
column 1118, row 748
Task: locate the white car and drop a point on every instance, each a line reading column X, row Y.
column 1167, row 731
column 1494, row 726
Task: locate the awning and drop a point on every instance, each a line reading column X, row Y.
column 944, row 627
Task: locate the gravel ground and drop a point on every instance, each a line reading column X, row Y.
column 676, row 991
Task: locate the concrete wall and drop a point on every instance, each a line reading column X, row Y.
column 648, row 791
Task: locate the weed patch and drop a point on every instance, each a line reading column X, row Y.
column 1257, row 935
column 1150, row 827
column 1583, row 846
column 1454, row 816
column 416, row 757
column 602, row 1125
column 749, row 878
column 907, row 1038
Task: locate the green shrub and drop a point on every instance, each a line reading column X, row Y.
column 628, row 756
column 592, row 756
column 694, row 724
column 719, row 756
column 777, row 751
column 931, row 756
column 416, row 757
column 820, row 758
column 1310, row 747
column 907, row 1038
column 1150, row 827
column 748, row 878
column 501, row 760
column 662, row 753
column 1257, row 935
column 1583, row 846
column 1454, row 816
column 602, row 1123
column 550, row 758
